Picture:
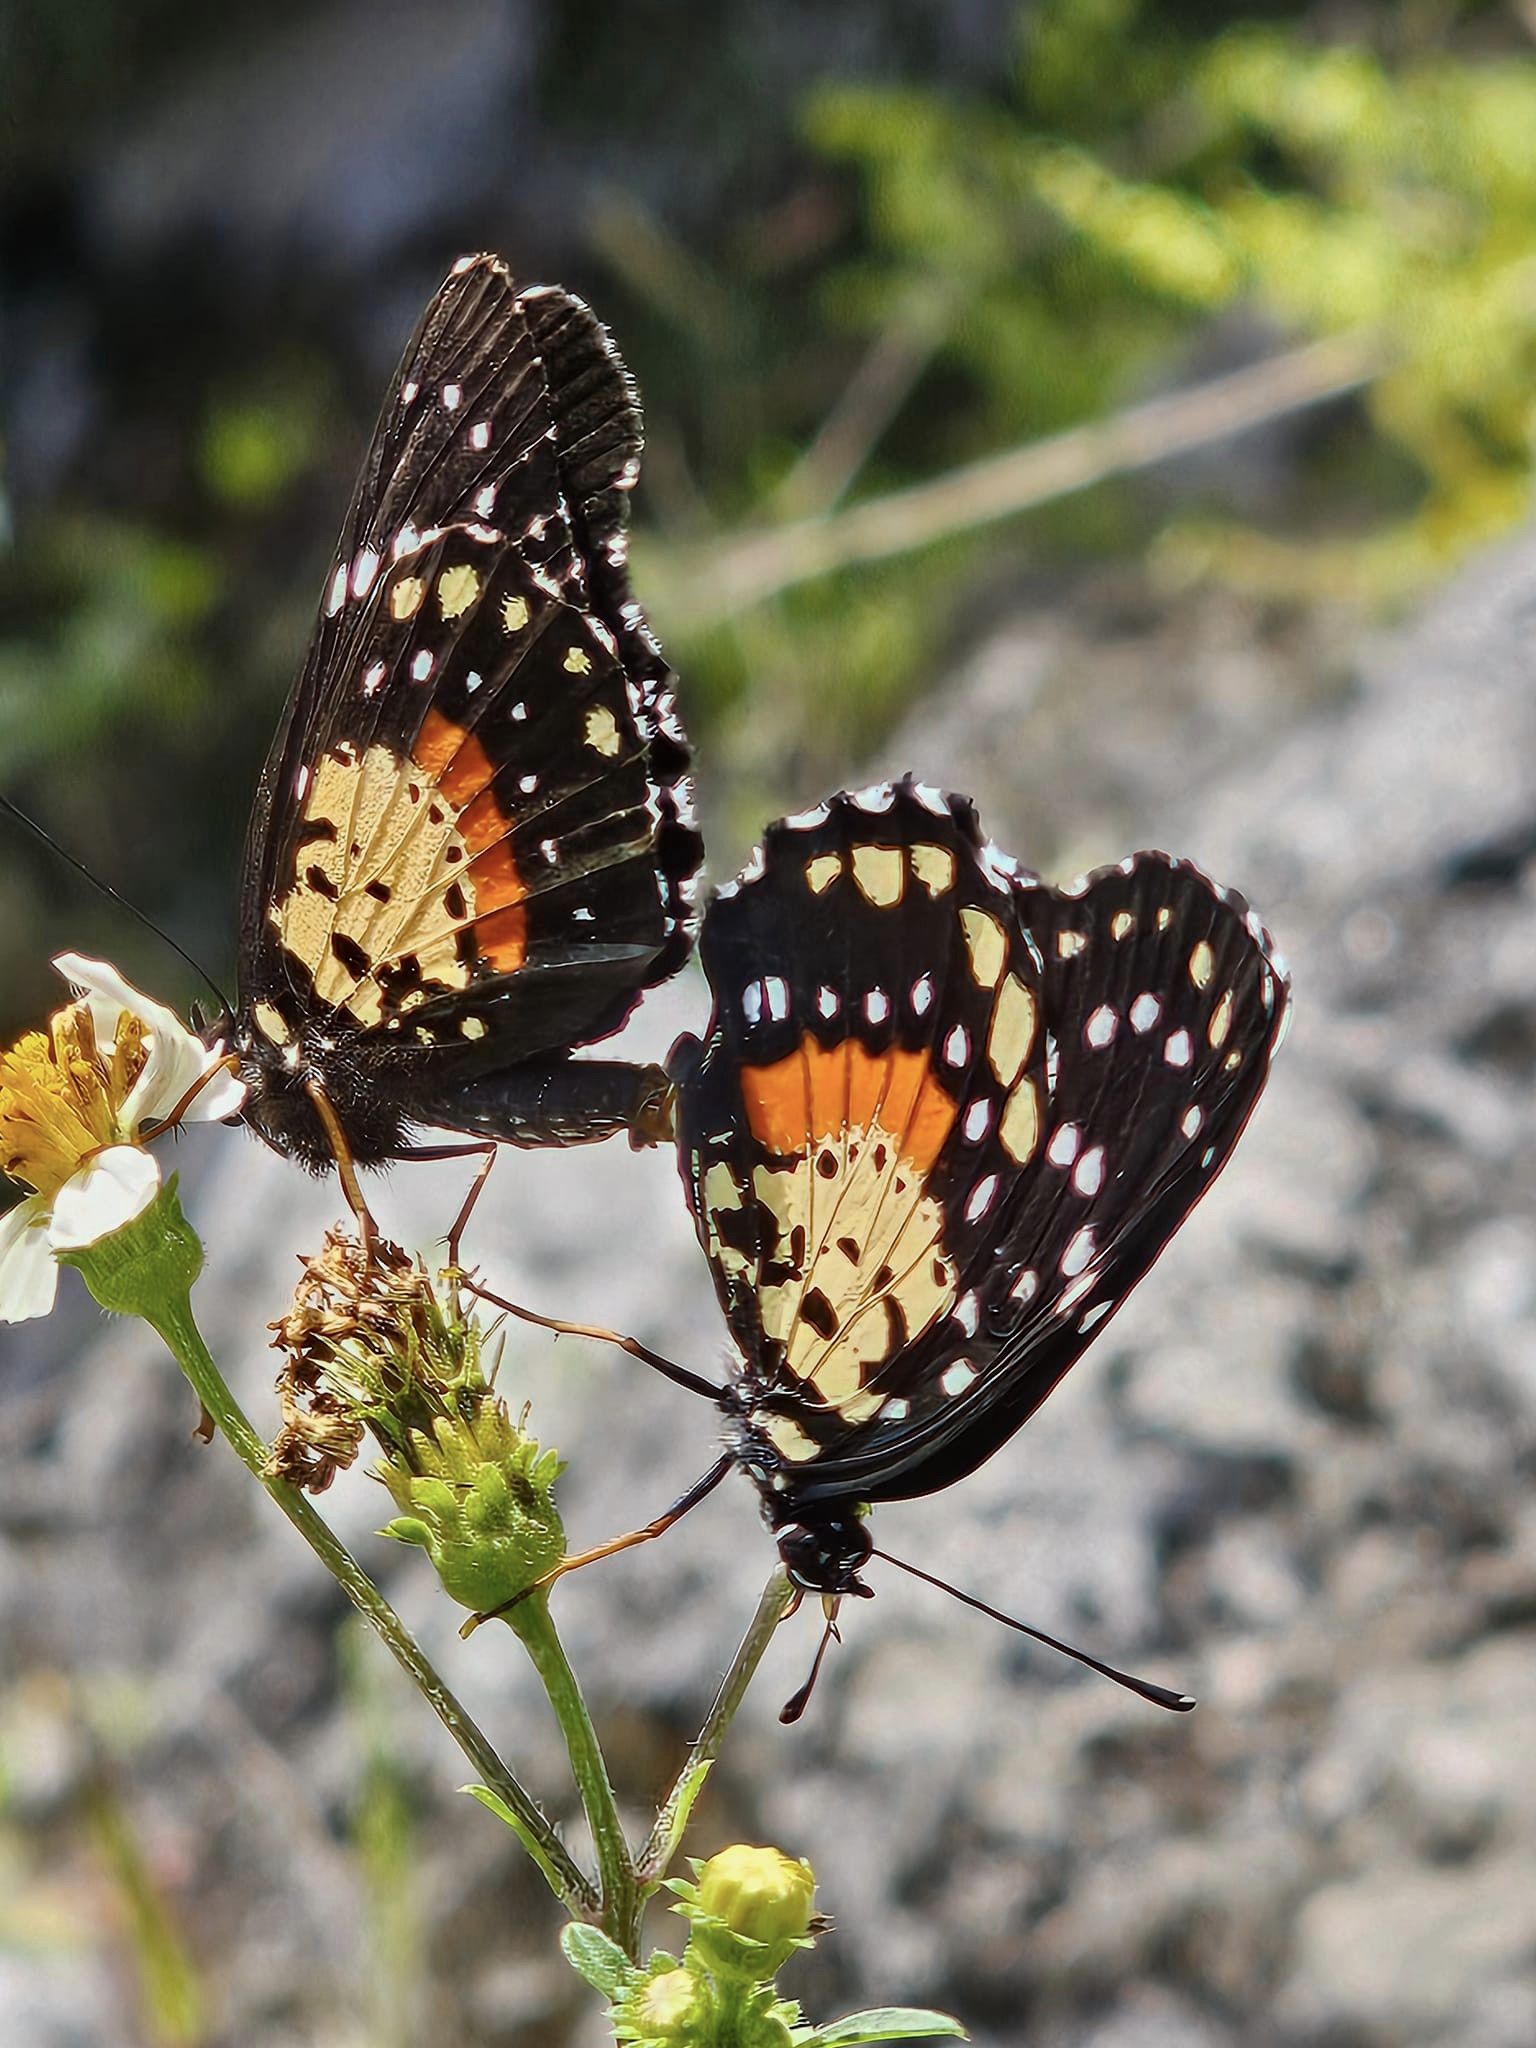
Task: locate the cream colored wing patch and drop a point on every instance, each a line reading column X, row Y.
column 403, row 876
column 857, row 1237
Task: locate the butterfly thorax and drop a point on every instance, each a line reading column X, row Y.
column 280, row 1104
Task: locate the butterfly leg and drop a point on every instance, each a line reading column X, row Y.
column 700, row 1489
column 230, row 1064
column 346, row 1168
column 694, row 1382
column 467, row 1209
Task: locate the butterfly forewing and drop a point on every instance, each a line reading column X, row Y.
column 922, row 1163
column 474, row 834
column 478, row 819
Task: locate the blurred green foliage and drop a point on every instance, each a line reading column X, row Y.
column 1146, row 197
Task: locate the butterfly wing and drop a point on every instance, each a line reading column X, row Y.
column 1083, row 1078
column 473, row 832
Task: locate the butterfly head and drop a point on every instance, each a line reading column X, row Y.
column 822, row 1550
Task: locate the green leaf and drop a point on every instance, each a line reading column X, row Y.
column 673, row 1824
column 889, row 2023
column 497, row 1805
column 600, row 1961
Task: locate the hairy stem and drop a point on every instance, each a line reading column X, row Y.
column 175, row 1324
column 662, row 1843
column 621, row 1899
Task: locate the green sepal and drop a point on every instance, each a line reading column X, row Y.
column 882, row 2023
column 147, row 1267
column 601, row 1962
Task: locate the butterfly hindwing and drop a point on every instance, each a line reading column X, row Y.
column 871, row 1075
column 922, row 1165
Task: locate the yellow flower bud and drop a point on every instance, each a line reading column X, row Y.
column 751, row 1909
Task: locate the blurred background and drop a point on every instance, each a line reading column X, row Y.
column 1122, row 412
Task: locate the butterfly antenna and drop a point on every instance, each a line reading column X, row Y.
column 106, row 889
column 1157, row 1695
column 796, row 1705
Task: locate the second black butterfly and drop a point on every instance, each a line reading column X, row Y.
column 472, row 847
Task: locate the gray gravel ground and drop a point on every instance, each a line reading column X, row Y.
column 1294, row 1477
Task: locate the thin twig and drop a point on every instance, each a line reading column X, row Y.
column 723, row 578
column 876, row 392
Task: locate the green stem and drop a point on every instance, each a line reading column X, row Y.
column 619, row 1907
column 174, row 1322
column 662, row 1843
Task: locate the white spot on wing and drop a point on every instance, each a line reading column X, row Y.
column 1078, row 1252
column 364, row 569
column 957, row 1377
column 1145, row 1011
column 981, row 1198
column 1062, row 1149
column 877, row 797
column 877, row 1006
column 1101, row 1027
column 1178, row 1050
column 1088, row 1174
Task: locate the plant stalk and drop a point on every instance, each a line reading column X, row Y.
column 618, row 1907
column 174, row 1323
column 661, row 1845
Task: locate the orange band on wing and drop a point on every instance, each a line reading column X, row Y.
column 813, row 1094
column 464, row 775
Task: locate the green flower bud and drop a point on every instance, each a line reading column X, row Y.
column 750, row 1910
column 670, row 2009
column 477, row 1495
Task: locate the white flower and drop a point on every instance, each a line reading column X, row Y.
column 74, row 1103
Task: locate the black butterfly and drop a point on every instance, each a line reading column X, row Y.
column 472, row 847
column 943, row 1120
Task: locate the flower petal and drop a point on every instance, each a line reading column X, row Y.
column 29, row 1279
column 221, row 1096
column 108, row 1192
column 176, row 1057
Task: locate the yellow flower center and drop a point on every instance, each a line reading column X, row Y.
column 61, row 1097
